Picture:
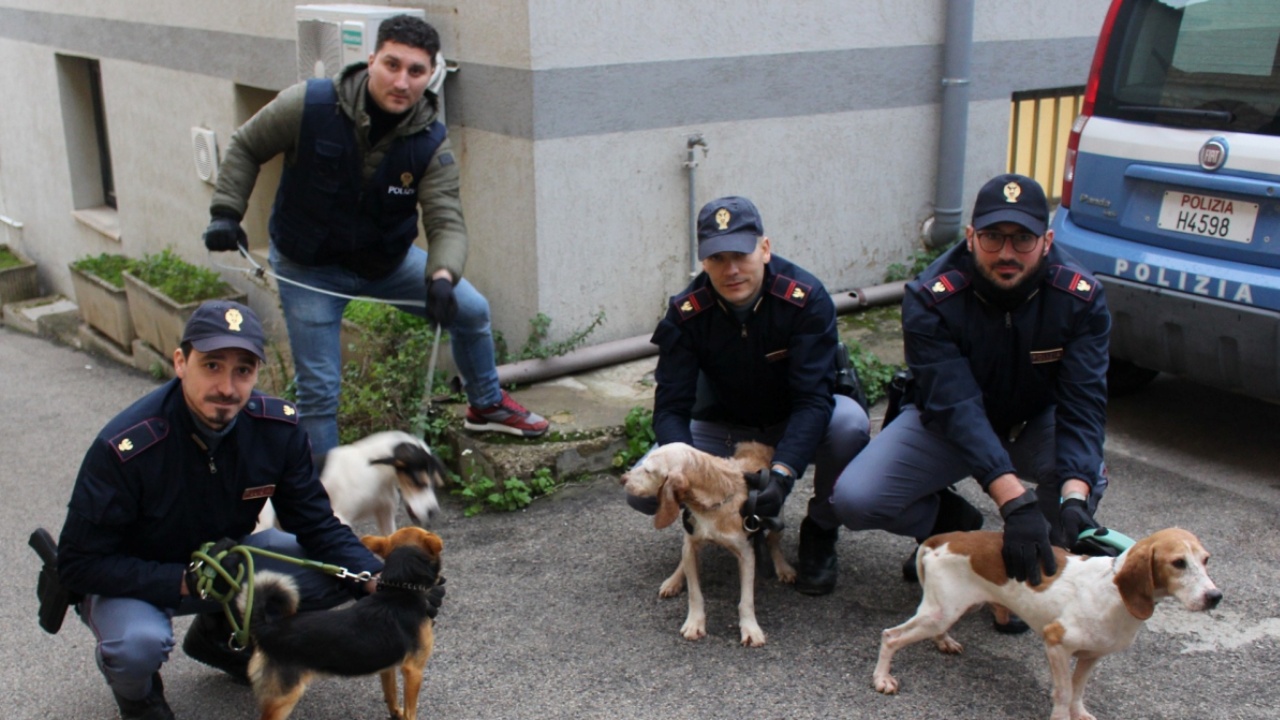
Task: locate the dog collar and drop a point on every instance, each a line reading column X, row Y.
column 404, row 586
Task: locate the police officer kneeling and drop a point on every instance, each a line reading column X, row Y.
column 191, row 462
column 749, row 352
column 1006, row 336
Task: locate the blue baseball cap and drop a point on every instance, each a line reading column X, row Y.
column 219, row 324
column 1011, row 198
column 728, row 224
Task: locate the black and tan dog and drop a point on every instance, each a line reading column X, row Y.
column 390, row 629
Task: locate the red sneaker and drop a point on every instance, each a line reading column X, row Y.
column 506, row 416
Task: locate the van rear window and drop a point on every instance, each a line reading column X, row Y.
column 1211, row 64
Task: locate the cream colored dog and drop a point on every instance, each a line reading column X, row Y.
column 1092, row 607
column 713, row 489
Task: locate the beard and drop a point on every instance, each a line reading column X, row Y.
column 1007, row 298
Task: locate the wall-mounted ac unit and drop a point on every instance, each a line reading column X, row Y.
column 333, row 36
column 204, row 149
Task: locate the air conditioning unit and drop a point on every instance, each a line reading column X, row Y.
column 204, row 148
column 331, row 37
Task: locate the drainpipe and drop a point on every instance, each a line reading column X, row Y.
column 691, row 164
column 949, row 192
column 635, row 348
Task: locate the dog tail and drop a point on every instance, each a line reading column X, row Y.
column 275, row 595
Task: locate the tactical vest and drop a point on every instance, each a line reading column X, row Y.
column 325, row 212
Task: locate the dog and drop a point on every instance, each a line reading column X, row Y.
column 1092, row 607
column 365, row 478
column 713, row 489
column 390, row 629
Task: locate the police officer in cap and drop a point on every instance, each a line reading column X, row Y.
column 1006, row 338
column 192, row 462
column 748, row 352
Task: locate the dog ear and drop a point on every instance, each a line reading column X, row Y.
column 1136, row 580
column 376, row 544
column 669, row 499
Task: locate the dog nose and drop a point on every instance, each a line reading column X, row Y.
column 1212, row 598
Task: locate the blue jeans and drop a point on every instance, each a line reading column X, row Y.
column 314, row 322
column 893, row 484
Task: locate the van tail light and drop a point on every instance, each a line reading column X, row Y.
column 1086, row 107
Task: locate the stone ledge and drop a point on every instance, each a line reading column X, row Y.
column 53, row 317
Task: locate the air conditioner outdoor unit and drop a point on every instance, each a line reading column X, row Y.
column 333, row 36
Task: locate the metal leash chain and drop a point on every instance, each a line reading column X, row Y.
column 209, row 568
column 258, row 272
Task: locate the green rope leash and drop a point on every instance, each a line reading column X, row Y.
column 208, row 569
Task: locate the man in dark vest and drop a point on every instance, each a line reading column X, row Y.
column 363, row 153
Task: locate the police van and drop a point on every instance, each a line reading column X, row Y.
column 1171, row 191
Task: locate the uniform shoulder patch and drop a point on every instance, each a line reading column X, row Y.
column 272, row 408
column 1074, row 282
column 791, row 290
column 130, row 443
column 691, row 304
column 945, row 285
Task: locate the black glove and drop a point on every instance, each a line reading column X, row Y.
column 442, row 306
column 1026, row 540
column 435, row 597
column 1074, row 518
column 773, row 487
column 223, row 234
column 218, row 586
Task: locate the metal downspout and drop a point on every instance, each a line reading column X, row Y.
column 635, row 348
column 949, row 192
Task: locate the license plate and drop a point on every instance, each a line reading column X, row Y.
column 1208, row 216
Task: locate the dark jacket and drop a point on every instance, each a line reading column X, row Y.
column 778, row 367
column 980, row 371
column 149, row 494
column 276, row 128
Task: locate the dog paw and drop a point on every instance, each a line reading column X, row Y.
column 947, row 644
column 671, row 588
column 886, row 684
column 752, row 636
column 1083, row 715
column 786, row 573
column 694, row 629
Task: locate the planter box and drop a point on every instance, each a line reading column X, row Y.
column 104, row 307
column 20, row 282
column 158, row 320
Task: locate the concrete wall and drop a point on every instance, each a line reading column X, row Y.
column 571, row 119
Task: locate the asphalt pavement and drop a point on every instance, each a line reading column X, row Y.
column 553, row 612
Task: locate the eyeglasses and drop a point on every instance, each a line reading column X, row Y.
column 991, row 241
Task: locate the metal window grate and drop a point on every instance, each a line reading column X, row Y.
column 1039, row 126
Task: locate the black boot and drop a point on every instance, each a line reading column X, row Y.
column 816, row 565
column 955, row 514
column 151, row 707
column 208, row 641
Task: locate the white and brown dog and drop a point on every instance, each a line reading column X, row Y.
column 1092, row 607
column 713, row 489
column 368, row 478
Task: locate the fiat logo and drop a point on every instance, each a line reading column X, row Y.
column 1213, row 154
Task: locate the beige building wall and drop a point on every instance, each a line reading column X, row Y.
column 572, row 120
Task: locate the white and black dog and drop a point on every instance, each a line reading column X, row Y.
column 365, row 478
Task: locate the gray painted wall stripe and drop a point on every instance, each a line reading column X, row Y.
column 573, row 102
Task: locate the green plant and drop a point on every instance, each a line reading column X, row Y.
column 8, row 259
column 482, row 492
column 109, row 267
column 384, row 388
column 536, row 347
column 638, row 428
column 918, row 261
column 873, row 372
column 178, row 279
